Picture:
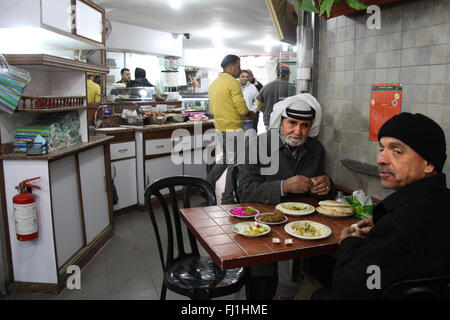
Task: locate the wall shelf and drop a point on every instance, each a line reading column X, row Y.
column 53, row 63
column 51, row 110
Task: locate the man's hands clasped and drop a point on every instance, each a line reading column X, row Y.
column 300, row 184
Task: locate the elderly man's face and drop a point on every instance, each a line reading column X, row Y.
column 295, row 132
column 399, row 164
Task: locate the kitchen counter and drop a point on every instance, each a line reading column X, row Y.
column 153, row 127
column 93, row 142
column 147, row 152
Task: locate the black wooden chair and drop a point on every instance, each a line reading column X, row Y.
column 433, row 288
column 187, row 273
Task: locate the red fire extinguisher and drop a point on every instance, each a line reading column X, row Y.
column 25, row 215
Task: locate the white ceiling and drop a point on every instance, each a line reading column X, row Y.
column 241, row 27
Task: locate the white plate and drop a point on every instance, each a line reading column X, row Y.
column 242, row 217
column 325, row 230
column 269, row 223
column 308, row 208
column 242, row 227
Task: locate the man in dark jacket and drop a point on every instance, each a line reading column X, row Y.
column 289, row 162
column 140, row 79
column 296, row 165
column 408, row 235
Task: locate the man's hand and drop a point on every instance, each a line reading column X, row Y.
column 251, row 115
column 297, row 184
column 361, row 229
column 321, row 185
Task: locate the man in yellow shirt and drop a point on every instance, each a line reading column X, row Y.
column 227, row 105
column 93, row 89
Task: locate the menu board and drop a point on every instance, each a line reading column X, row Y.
column 385, row 102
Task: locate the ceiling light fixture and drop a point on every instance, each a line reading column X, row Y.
column 175, row 4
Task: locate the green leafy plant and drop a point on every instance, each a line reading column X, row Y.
column 322, row 6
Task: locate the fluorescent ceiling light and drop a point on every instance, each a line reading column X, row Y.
column 175, row 4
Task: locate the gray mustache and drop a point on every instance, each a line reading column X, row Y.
column 385, row 169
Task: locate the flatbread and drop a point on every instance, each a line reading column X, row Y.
column 332, row 212
column 346, row 210
column 332, row 203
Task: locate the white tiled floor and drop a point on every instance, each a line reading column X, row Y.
column 128, row 267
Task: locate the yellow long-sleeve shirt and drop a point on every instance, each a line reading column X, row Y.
column 93, row 91
column 226, row 103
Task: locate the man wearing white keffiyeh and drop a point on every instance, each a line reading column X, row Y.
column 300, row 161
column 300, row 155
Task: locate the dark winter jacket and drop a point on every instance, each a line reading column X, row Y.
column 410, row 239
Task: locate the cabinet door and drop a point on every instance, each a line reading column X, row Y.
column 93, row 189
column 124, row 177
column 160, row 168
column 58, row 14
column 89, row 22
column 66, row 208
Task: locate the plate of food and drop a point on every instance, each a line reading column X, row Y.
column 251, row 229
column 243, row 212
column 295, row 208
column 307, row 230
column 334, row 209
column 272, row 218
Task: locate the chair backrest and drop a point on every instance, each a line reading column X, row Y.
column 432, row 288
column 235, row 175
column 170, row 183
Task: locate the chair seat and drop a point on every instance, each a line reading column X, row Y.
column 194, row 274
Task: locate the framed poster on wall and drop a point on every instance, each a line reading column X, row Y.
column 385, row 102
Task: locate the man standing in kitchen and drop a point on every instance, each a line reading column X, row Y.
column 252, row 80
column 94, row 93
column 126, row 76
column 229, row 109
column 250, row 93
column 273, row 91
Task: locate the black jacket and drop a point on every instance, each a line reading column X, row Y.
column 258, row 85
column 410, row 239
column 140, row 82
column 254, row 186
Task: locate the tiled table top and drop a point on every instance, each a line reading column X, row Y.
column 212, row 226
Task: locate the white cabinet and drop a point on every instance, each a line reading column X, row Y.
column 66, row 207
column 56, row 27
column 89, row 21
column 160, row 168
column 158, row 146
column 123, row 150
column 72, row 209
column 123, row 173
column 58, row 14
column 94, row 191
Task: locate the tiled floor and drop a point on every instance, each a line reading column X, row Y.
column 128, row 267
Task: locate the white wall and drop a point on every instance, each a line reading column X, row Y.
column 125, row 37
column 23, row 13
column 208, row 58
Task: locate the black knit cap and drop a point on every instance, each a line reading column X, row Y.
column 419, row 132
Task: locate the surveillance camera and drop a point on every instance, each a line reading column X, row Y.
column 187, row 35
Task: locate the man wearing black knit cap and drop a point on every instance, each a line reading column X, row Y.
column 408, row 235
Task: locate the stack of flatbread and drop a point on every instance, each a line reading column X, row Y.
column 334, row 208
